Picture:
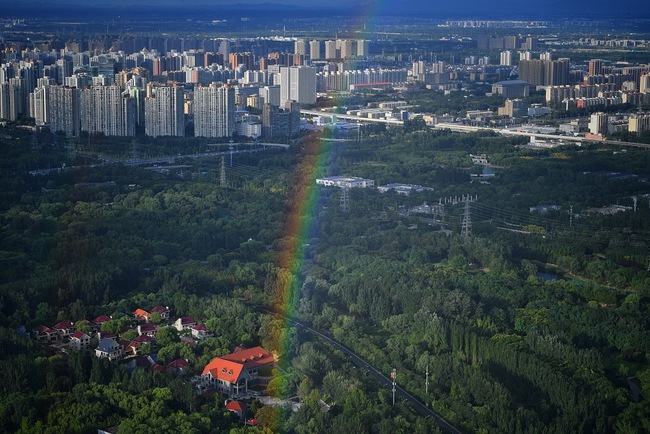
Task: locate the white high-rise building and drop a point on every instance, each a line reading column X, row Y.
column 163, row 112
column 644, row 84
column 62, row 110
column 330, row 50
column 314, row 50
column 506, row 58
column 598, row 123
column 345, row 47
column 105, row 110
column 298, row 83
column 214, row 111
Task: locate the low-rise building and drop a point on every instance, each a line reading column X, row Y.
column 236, row 372
column 109, row 349
column 79, row 341
column 345, row 181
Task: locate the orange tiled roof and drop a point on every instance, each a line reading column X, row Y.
column 224, row 370
column 251, row 358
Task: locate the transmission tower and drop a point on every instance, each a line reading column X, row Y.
column 466, row 223
column 222, row 174
column 345, row 200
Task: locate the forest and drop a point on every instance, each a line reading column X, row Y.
column 533, row 322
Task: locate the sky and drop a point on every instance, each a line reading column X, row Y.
column 537, row 9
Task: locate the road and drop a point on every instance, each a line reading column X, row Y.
column 361, row 363
column 165, row 160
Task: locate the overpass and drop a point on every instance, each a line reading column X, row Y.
column 351, row 117
column 506, row 132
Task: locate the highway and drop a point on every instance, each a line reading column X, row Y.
column 363, row 364
column 166, row 160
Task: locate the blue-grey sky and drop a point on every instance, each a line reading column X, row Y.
column 540, row 9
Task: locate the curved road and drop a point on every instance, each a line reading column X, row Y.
column 354, row 358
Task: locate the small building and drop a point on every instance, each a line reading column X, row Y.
column 345, row 181
column 101, row 320
column 199, row 331
column 236, row 372
column 184, row 323
column 108, row 349
column 163, row 311
column 79, row 341
column 179, row 366
column 146, row 329
column 64, row 329
column 141, row 315
column 44, row 334
column 481, row 159
column 404, row 189
column 239, row 408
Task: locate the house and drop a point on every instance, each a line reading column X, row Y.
column 101, row 320
column 44, row 334
column 79, row 341
column 144, row 339
column 106, row 335
column 129, row 348
column 199, row 331
column 235, row 372
column 178, row 366
column 141, row 315
column 163, row 311
column 184, row 323
column 108, row 349
column 239, row 408
column 147, row 329
column 64, row 329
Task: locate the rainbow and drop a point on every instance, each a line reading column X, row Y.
column 299, row 219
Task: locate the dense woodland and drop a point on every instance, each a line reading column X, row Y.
column 535, row 323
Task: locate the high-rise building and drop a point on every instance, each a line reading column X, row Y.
column 505, row 58
column 62, row 110
column 330, row 50
column 345, row 47
column 105, row 110
column 596, row 67
column 363, row 48
column 314, row 50
column 164, row 112
column 644, row 83
column 598, row 123
column 270, row 95
column 544, row 72
column 214, row 111
column 298, row 83
column 300, row 47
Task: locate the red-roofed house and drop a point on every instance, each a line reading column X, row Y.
column 239, row 408
column 147, row 329
column 144, row 339
column 184, row 323
column 101, row 319
column 163, row 311
column 45, row 334
column 106, row 335
column 235, row 372
column 178, row 366
column 79, row 341
column 63, row 328
column 141, row 315
column 199, row 331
